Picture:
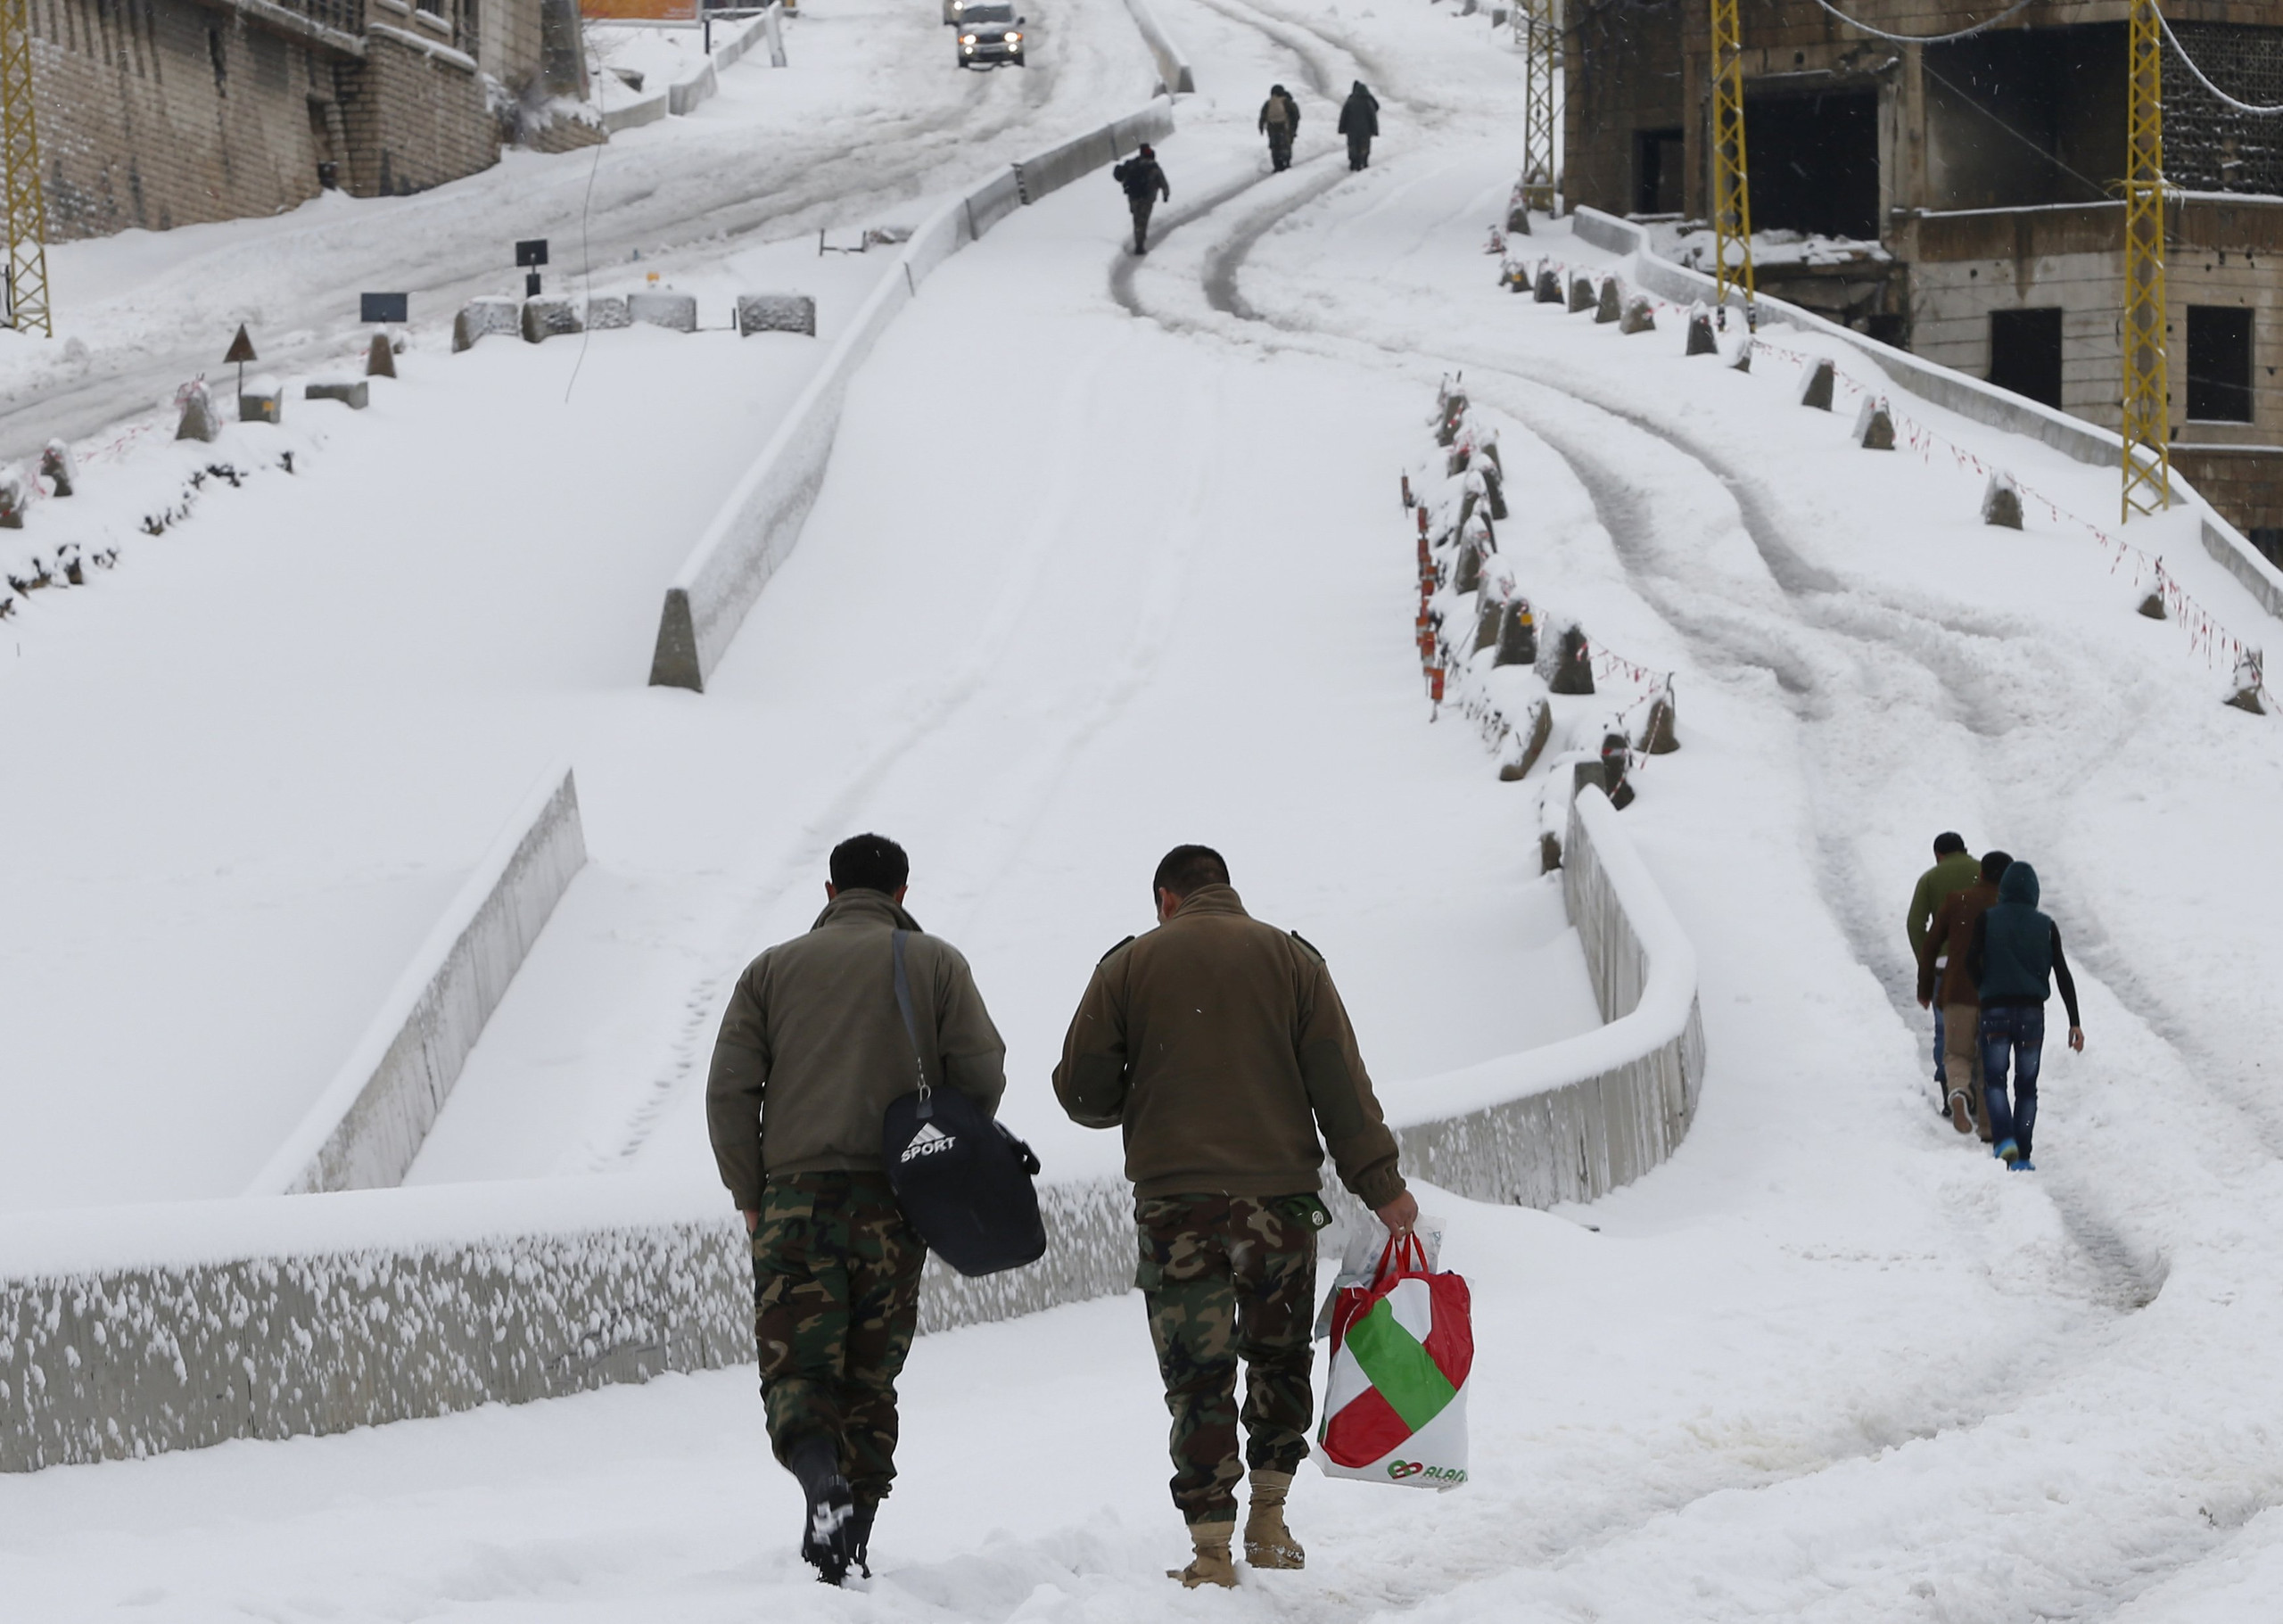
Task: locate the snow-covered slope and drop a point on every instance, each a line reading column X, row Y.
column 1831, row 1363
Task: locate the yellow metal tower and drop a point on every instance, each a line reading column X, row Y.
column 2148, row 378
column 1731, row 173
column 19, row 175
column 1541, row 63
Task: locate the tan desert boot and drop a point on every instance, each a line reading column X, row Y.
column 1268, row 1543
column 1212, row 1564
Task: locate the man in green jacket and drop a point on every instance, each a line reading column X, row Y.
column 1954, row 870
column 1945, row 987
column 811, row 1051
column 1219, row 1044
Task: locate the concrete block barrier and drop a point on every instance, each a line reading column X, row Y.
column 606, row 312
column 366, row 1127
column 13, row 497
column 1874, row 425
column 199, row 420
column 479, row 317
column 1638, row 317
column 380, row 356
column 759, row 522
column 126, row 1332
column 1817, row 386
column 677, row 311
column 1700, row 339
column 546, row 318
column 776, row 313
column 700, row 87
column 2001, row 503
column 1548, row 289
column 1608, row 305
column 635, row 114
column 58, row 467
column 261, row 401
column 355, row 393
column 1581, row 295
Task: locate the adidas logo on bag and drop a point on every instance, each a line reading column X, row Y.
column 930, row 1140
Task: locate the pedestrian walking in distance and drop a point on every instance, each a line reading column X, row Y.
column 1944, row 987
column 2013, row 951
column 1359, row 121
column 1280, row 122
column 811, row 1051
column 1144, row 183
column 1954, row 870
column 1219, row 1045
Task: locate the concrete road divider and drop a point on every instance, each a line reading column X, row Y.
column 606, row 312
column 481, row 317
column 678, row 311
column 355, row 393
column 1173, row 69
column 776, row 313
column 366, row 1127
column 760, row 522
column 546, row 318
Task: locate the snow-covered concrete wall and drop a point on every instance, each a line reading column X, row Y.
column 365, row 1128
column 757, row 526
column 127, row 1331
column 1970, row 398
column 1172, row 67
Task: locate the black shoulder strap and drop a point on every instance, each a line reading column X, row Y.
column 910, row 1025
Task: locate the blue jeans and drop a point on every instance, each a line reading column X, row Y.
column 2012, row 1033
column 1941, row 1070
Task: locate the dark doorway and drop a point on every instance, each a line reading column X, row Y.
column 1659, row 164
column 2218, row 363
column 2025, row 353
column 1815, row 163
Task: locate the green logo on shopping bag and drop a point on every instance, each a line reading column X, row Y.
column 1399, row 1367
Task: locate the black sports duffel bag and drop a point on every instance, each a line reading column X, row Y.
column 963, row 1181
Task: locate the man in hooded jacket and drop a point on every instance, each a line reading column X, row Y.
column 1359, row 121
column 813, row 1050
column 1280, row 122
column 2015, row 956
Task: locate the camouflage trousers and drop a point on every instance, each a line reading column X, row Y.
column 836, row 1302
column 1228, row 1279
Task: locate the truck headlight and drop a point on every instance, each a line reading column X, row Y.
column 967, row 40
column 1014, row 39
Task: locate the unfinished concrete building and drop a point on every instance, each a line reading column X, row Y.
column 160, row 113
column 1963, row 199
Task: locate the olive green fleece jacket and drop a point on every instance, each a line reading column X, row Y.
column 1950, row 875
column 813, row 1048
column 1219, row 1044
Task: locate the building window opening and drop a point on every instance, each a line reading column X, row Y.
column 1815, row 163
column 1659, row 164
column 2025, row 353
column 2025, row 117
column 2218, row 363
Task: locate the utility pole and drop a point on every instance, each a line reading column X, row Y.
column 1731, row 173
column 2147, row 370
column 1541, row 63
column 26, row 205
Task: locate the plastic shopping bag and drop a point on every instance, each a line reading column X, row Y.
column 1402, row 1351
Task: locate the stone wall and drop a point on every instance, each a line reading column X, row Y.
column 158, row 114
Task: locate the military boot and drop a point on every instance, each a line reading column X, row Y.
column 1212, row 1564
column 1268, row 1543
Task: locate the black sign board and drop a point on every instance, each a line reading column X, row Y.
column 384, row 306
column 531, row 251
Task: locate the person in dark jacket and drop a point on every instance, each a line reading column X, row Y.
column 1144, row 183
column 1280, row 122
column 2015, row 956
column 1359, row 121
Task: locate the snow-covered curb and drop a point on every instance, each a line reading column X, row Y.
column 1969, row 397
column 760, row 522
column 1172, row 67
column 366, row 1127
column 127, row 1332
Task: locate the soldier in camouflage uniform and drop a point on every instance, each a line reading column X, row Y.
column 811, row 1051
column 1220, row 1046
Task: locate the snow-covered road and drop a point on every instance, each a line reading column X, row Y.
column 871, row 114
column 1830, row 1363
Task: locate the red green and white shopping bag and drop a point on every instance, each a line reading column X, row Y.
column 1402, row 1349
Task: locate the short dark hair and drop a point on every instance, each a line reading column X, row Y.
column 1187, row 869
column 1949, row 841
column 1994, row 865
column 870, row 862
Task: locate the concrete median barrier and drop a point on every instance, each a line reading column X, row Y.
column 760, row 522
